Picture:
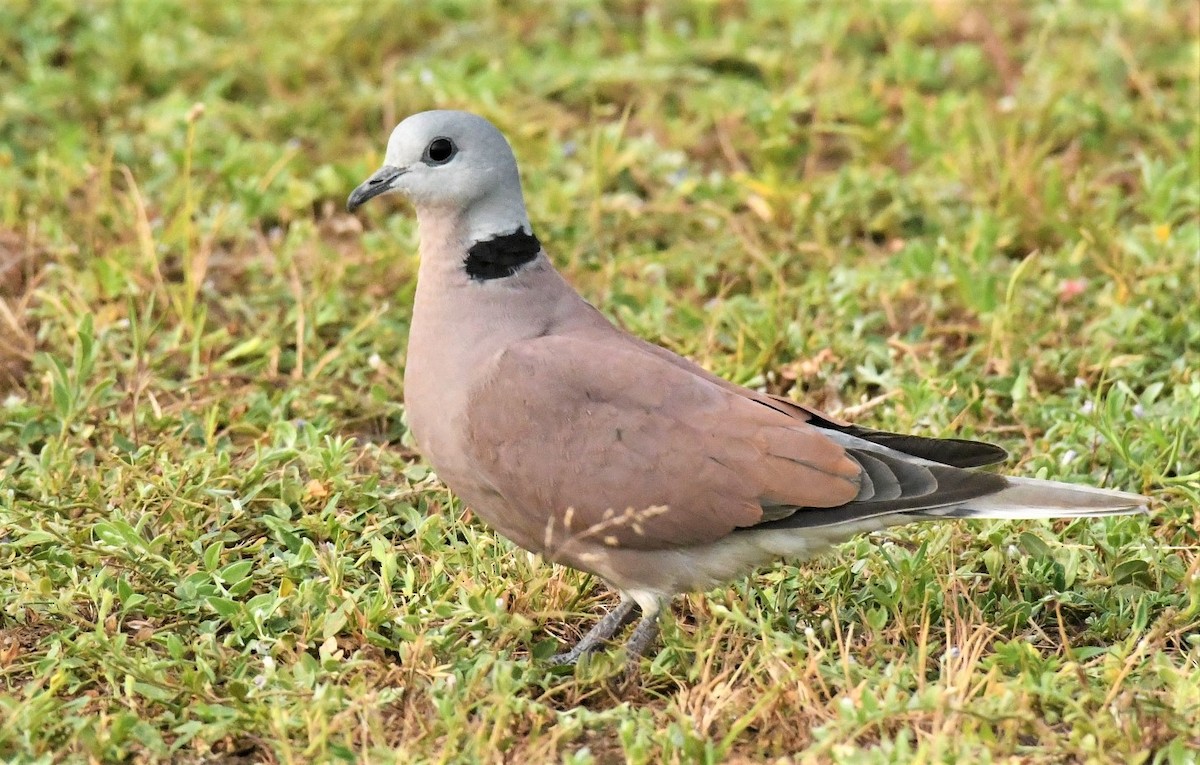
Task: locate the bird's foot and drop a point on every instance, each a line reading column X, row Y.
column 565, row 658
column 613, row 621
column 643, row 636
column 641, row 639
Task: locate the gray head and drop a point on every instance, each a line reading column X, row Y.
column 451, row 162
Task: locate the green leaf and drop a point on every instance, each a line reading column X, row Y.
column 31, row 539
column 212, row 555
column 235, row 572
column 226, row 609
column 249, row 347
column 1034, row 545
column 1129, row 571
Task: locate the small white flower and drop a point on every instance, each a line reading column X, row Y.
column 374, row 362
column 1088, row 407
column 1069, row 457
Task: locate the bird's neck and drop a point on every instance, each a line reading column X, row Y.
column 460, row 321
column 502, row 284
column 494, row 215
column 490, row 241
column 501, row 256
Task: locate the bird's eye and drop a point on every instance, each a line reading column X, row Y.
column 440, row 151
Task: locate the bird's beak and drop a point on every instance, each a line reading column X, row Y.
column 379, row 182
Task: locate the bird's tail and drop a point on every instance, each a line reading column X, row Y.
column 1034, row 498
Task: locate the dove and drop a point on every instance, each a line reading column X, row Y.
column 614, row 456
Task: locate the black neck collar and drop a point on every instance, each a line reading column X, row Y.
column 501, row 256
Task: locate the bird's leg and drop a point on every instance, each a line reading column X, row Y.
column 614, row 620
column 643, row 635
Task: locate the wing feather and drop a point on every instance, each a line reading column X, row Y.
column 603, row 429
column 646, row 450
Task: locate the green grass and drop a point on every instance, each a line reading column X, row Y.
column 217, row 543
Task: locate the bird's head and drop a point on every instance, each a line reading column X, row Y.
column 451, row 162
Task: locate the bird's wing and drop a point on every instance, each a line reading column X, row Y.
column 590, row 432
column 956, row 452
column 607, row 440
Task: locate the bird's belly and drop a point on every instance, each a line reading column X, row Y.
column 676, row 570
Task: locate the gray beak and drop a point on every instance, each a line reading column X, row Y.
column 379, row 182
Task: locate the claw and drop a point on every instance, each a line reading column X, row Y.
column 613, row 621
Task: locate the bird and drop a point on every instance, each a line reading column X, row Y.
column 615, row 456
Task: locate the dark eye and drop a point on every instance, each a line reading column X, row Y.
column 439, row 151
